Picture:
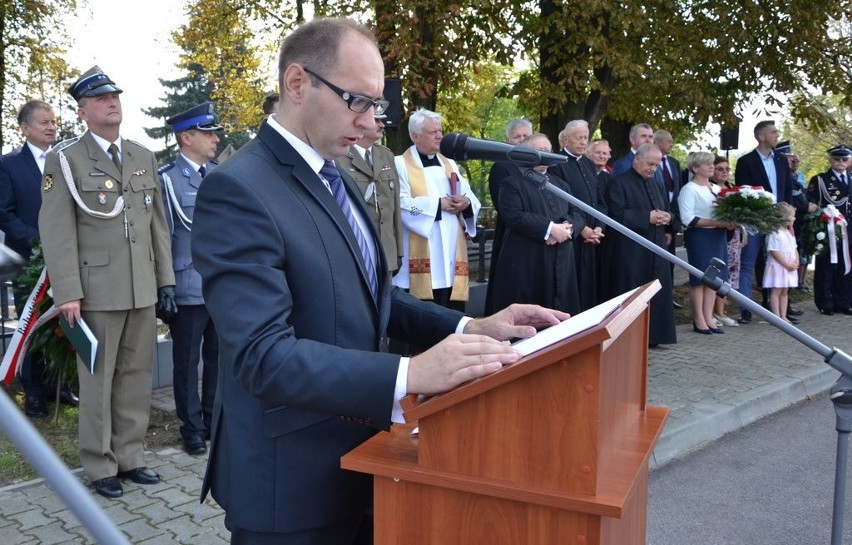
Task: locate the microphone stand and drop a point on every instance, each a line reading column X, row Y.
column 35, row 449
column 841, row 392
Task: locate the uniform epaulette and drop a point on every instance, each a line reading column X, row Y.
column 165, row 167
column 65, row 143
column 137, row 143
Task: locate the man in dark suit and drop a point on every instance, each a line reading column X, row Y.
column 579, row 173
column 761, row 167
column 639, row 134
column 668, row 175
column 20, row 201
column 303, row 303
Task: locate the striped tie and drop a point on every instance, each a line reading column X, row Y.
column 335, row 182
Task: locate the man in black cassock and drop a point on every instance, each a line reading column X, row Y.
column 579, row 173
column 536, row 260
column 636, row 200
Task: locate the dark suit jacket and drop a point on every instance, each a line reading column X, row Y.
column 750, row 171
column 623, row 164
column 301, row 377
column 677, row 176
column 20, row 199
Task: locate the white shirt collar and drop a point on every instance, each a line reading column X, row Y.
column 39, row 154
column 192, row 163
column 309, row 154
column 105, row 144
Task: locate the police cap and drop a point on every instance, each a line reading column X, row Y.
column 198, row 117
column 840, row 151
column 92, row 83
column 784, row 148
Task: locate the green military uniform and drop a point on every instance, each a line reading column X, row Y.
column 379, row 184
column 114, row 267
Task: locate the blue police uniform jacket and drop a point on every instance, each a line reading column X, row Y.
column 180, row 206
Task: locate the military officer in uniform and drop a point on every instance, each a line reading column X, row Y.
column 832, row 287
column 106, row 248
column 193, row 333
column 372, row 167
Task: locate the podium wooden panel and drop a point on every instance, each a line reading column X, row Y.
column 553, row 449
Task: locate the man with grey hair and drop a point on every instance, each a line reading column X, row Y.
column 439, row 211
column 639, row 134
column 579, row 173
column 636, row 200
column 517, row 131
column 668, row 175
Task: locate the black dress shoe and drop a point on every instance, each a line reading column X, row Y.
column 826, row 312
column 34, row 406
column 108, row 487
column 140, row 475
column 794, row 311
column 696, row 329
column 745, row 317
column 792, row 320
column 67, row 397
column 717, row 331
column 195, row 445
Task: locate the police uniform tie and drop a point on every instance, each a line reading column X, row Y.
column 335, row 182
column 202, row 171
column 116, row 160
column 369, row 158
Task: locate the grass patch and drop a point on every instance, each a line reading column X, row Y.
column 61, row 435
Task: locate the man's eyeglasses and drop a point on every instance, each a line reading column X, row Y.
column 357, row 103
column 723, row 169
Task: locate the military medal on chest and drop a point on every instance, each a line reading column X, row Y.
column 102, row 197
column 108, row 184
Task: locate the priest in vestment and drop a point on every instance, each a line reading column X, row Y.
column 439, row 212
column 635, row 199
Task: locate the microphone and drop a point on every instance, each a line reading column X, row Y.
column 462, row 147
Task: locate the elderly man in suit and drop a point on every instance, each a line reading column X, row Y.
column 761, row 167
column 193, row 333
column 639, row 134
column 372, row 167
column 20, row 201
column 290, row 263
column 106, row 247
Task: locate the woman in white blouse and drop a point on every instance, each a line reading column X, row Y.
column 704, row 237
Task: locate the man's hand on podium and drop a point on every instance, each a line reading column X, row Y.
column 479, row 351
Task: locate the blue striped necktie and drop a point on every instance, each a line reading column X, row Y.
column 335, row 182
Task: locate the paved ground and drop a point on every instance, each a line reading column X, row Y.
column 712, row 384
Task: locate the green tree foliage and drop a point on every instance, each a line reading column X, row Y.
column 219, row 51
column 181, row 94
column 680, row 64
column 32, row 43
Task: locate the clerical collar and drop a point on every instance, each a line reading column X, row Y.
column 571, row 155
column 429, row 160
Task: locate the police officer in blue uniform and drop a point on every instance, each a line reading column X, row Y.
column 192, row 330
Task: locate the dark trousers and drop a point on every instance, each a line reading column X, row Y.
column 194, row 338
column 355, row 532
column 831, row 286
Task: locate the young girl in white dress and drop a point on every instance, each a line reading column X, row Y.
column 782, row 262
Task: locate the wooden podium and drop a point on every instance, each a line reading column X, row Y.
column 551, row 450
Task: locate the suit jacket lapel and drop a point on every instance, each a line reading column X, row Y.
column 310, row 181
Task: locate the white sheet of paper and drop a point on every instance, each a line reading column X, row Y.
column 573, row 325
